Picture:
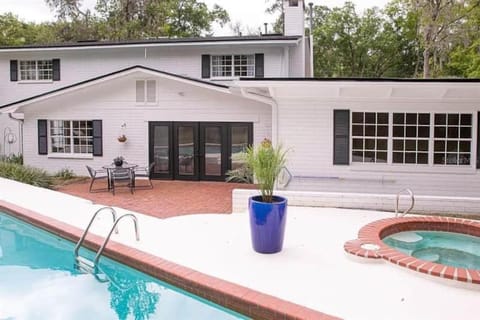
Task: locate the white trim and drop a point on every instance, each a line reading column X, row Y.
column 34, row 81
column 70, row 155
column 74, row 88
column 147, row 45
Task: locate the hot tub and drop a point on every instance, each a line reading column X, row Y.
column 438, row 246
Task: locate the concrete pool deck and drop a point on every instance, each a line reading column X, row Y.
column 313, row 270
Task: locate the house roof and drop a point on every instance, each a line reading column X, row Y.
column 112, row 75
column 274, row 38
column 446, row 80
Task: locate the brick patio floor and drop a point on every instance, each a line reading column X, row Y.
column 166, row 199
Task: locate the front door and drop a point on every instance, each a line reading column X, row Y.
column 197, row 150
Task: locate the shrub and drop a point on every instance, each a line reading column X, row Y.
column 25, row 174
column 18, row 159
column 65, row 174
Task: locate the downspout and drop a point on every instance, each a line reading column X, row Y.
column 20, row 131
column 273, row 103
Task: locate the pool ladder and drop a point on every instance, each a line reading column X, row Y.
column 89, row 266
column 397, row 201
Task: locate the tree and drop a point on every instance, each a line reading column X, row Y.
column 347, row 44
column 276, row 7
column 14, row 32
column 137, row 19
column 440, row 23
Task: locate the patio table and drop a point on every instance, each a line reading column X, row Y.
column 111, row 168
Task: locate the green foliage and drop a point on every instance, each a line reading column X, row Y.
column 133, row 19
column 243, row 173
column 265, row 162
column 65, row 174
column 25, row 174
column 18, row 159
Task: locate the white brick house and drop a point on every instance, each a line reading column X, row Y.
column 190, row 104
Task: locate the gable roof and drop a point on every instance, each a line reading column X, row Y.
column 264, row 39
column 113, row 75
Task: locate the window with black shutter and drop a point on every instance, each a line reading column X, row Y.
column 341, row 137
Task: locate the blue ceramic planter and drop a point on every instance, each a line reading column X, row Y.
column 267, row 223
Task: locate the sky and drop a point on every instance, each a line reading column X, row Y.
column 249, row 13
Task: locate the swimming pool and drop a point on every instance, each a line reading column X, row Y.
column 38, row 281
column 447, row 248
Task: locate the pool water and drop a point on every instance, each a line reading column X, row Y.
column 448, row 248
column 38, row 281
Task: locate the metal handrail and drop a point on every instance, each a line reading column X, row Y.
column 412, row 198
column 137, row 236
column 84, row 235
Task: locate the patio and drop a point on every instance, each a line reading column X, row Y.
column 166, row 199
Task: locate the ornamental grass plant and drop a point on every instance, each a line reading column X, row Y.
column 25, row 174
column 265, row 162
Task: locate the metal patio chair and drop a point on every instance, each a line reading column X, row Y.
column 144, row 173
column 121, row 177
column 99, row 174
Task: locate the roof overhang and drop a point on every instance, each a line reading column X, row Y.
column 14, row 106
column 232, row 41
column 464, row 90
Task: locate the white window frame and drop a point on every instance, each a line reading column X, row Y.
column 36, row 70
column 146, row 92
column 365, row 137
column 416, row 138
column 408, row 167
column 71, row 138
column 249, row 67
column 457, row 140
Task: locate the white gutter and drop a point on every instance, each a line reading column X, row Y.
column 273, row 103
column 146, row 45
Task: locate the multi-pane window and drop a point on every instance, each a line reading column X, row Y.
column 146, row 91
column 71, row 136
column 411, row 134
column 369, row 137
column 227, row 66
column 36, row 70
column 452, row 139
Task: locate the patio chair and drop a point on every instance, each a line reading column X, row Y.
column 121, row 177
column 96, row 175
column 144, row 173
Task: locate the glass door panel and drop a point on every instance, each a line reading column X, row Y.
column 186, row 147
column 240, row 142
column 213, row 151
column 160, row 149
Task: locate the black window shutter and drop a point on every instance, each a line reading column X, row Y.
column 259, row 65
column 205, row 66
column 13, row 70
column 341, row 137
column 42, row 137
column 56, row 69
column 97, row 138
column 478, row 140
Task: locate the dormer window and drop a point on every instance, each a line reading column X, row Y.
column 36, row 70
column 229, row 66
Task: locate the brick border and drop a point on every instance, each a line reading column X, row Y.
column 246, row 301
column 374, row 232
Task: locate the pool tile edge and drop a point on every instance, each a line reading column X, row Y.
column 244, row 300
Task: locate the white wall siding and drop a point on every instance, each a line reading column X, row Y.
column 114, row 103
column 79, row 65
column 294, row 19
column 306, row 125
